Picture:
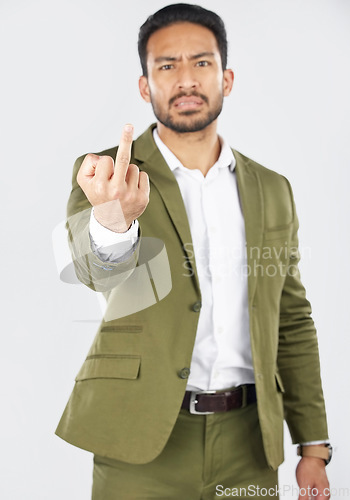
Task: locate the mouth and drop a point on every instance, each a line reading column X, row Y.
column 186, row 103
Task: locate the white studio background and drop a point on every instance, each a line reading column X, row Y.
column 69, row 83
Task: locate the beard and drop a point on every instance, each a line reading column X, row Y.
column 185, row 126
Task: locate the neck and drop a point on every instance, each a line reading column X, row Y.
column 196, row 150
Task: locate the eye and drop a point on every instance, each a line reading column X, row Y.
column 166, row 67
column 203, row 63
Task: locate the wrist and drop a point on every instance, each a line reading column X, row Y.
column 112, row 224
column 314, row 461
column 321, row 452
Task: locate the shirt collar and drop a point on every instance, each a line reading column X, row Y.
column 226, row 158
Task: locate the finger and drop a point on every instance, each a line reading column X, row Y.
column 144, row 182
column 132, row 176
column 104, row 169
column 87, row 168
column 122, row 159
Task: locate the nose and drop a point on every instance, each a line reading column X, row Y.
column 186, row 78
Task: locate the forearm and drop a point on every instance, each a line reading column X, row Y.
column 90, row 269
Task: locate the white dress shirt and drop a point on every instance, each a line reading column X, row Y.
column 222, row 353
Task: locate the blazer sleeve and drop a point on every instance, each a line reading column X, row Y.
column 90, row 269
column 298, row 355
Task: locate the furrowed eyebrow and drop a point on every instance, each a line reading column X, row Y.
column 166, row 59
column 161, row 59
column 202, row 54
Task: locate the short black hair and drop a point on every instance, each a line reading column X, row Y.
column 181, row 13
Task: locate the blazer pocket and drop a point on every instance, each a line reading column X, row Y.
column 122, row 329
column 122, row 366
column 279, row 382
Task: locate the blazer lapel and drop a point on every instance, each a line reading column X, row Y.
column 147, row 153
column 250, row 194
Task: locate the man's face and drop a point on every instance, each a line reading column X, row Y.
column 185, row 82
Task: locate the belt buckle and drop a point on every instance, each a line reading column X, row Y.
column 194, row 401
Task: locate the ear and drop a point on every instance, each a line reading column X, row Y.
column 228, row 81
column 144, row 88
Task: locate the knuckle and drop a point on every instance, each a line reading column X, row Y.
column 123, row 158
column 91, row 158
column 107, row 159
column 117, row 193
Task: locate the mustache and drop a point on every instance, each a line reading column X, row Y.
column 188, row 94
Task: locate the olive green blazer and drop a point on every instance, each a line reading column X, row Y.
column 128, row 393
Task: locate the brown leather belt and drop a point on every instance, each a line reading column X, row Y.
column 206, row 402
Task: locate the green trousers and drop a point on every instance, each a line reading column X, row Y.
column 206, row 457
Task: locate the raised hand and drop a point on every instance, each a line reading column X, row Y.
column 118, row 192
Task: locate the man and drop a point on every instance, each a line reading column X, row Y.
column 186, row 398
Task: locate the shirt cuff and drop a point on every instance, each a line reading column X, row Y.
column 310, row 443
column 109, row 246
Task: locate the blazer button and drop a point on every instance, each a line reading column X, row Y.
column 197, row 306
column 184, row 373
